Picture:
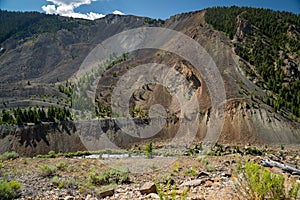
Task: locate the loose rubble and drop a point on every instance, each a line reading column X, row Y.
column 209, row 177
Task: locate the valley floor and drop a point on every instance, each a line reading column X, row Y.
column 201, row 177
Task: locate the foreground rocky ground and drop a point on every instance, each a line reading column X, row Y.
column 200, row 177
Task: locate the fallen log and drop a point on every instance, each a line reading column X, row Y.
column 284, row 167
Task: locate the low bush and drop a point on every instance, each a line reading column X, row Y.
column 169, row 193
column 254, row 182
column 216, row 150
column 9, row 190
column 55, row 180
column 47, row 171
column 176, row 166
column 166, row 178
column 149, row 150
column 9, row 156
column 190, row 172
column 109, row 177
column 61, row 166
column 1, row 164
column 69, row 182
column 253, row 151
column 195, row 150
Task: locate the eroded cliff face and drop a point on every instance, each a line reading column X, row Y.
column 40, row 139
column 247, row 124
column 243, row 124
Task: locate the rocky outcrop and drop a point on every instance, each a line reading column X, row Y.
column 40, row 139
column 243, row 28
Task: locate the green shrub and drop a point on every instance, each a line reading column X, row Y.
column 78, row 153
column 1, row 164
column 216, row 150
column 9, row 155
column 194, row 150
column 52, row 154
column 190, row 172
column 211, row 153
column 61, row 185
column 167, row 177
column 47, row 170
column 70, row 182
column 254, row 182
column 9, row 190
column 149, row 150
column 176, row 166
column 253, row 151
column 108, row 187
column 236, row 149
column 55, row 180
column 208, row 166
column 169, row 193
column 108, row 177
column 61, row 166
column 64, row 182
column 25, row 162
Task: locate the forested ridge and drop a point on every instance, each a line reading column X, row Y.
column 34, row 115
column 270, row 42
column 25, row 24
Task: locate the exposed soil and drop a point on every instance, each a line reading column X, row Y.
column 208, row 177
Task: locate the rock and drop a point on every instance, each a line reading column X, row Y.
column 152, row 196
column 208, row 183
column 195, row 190
column 196, row 197
column 107, row 193
column 193, row 183
column 201, row 174
column 226, row 163
column 90, row 197
column 227, row 174
column 273, row 157
column 148, row 188
column 69, row 198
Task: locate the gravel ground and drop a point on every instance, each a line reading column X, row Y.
column 209, row 177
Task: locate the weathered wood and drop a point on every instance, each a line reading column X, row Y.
column 284, row 167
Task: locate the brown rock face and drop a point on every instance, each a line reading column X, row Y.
column 148, row 188
column 107, row 193
column 244, row 27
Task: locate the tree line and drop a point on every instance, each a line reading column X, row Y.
column 262, row 50
column 35, row 115
column 25, row 24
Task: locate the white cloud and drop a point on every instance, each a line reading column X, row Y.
column 49, row 9
column 117, row 12
column 66, row 8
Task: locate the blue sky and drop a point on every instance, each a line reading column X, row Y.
column 151, row 8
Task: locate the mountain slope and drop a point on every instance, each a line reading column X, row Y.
column 268, row 43
column 262, row 99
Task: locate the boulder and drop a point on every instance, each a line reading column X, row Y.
column 148, row 188
column 106, row 193
column 192, row 183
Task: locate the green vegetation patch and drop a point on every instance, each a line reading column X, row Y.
column 269, row 45
column 109, row 177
